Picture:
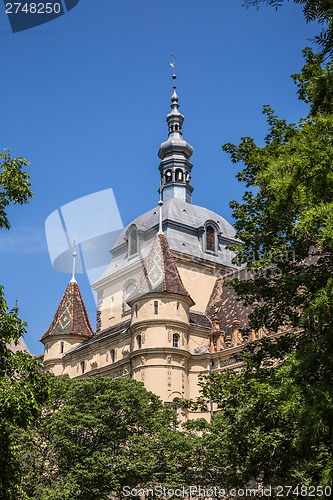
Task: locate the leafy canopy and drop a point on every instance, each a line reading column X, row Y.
column 22, row 387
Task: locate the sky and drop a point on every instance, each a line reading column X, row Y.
column 84, row 99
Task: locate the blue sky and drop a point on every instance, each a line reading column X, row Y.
column 84, row 99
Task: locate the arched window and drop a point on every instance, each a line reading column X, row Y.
column 168, row 176
column 179, row 175
column 133, row 242
column 175, row 340
column 139, row 341
column 210, row 239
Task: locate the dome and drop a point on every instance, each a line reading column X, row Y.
column 184, row 226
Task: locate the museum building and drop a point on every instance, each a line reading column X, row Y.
column 165, row 311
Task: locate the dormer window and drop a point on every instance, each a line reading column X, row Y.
column 210, row 241
column 133, row 242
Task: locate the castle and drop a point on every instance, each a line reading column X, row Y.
column 165, row 311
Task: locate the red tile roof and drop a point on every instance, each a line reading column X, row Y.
column 71, row 317
column 160, row 274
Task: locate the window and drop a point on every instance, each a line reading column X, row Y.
column 133, row 242
column 139, row 341
column 168, row 176
column 62, row 347
column 179, row 175
column 155, row 307
column 210, row 238
column 175, row 340
column 113, row 355
column 82, row 364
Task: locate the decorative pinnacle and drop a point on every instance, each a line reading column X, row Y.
column 73, row 280
column 160, row 229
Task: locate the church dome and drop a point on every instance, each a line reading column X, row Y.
column 185, row 226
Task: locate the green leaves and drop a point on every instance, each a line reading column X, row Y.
column 14, row 184
column 96, row 435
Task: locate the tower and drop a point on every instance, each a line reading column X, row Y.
column 175, row 153
column 69, row 328
column 160, row 325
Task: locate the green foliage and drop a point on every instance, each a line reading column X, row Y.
column 97, row 435
column 14, row 184
column 22, row 387
column 275, row 420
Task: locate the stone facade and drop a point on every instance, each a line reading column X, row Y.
column 165, row 311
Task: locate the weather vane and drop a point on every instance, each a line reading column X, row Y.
column 173, row 64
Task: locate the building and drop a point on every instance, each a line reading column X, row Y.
column 165, row 312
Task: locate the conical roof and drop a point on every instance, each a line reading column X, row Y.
column 160, row 274
column 71, row 317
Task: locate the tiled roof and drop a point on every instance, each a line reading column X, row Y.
column 119, row 327
column 71, row 317
column 223, row 301
column 160, row 274
column 200, row 320
column 112, row 331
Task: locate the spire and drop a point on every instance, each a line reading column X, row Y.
column 74, row 254
column 160, row 228
column 160, row 274
column 71, row 317
column 175, row 153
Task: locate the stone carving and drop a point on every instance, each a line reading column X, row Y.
column 168, row 359
column 169, row 377
column 143, row 360
column 227, row 362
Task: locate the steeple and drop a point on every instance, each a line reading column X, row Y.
column 71, row 317
column 175, row 153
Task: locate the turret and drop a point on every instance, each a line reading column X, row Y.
column 160, row 324
column 69, row 328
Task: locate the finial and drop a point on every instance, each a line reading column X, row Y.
column 16, row 308
column 73, row 280
column 160, row 229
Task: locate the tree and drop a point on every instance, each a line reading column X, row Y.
column 276, row 415
column 314, row 10
column 22, row 387
column 96, row 436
